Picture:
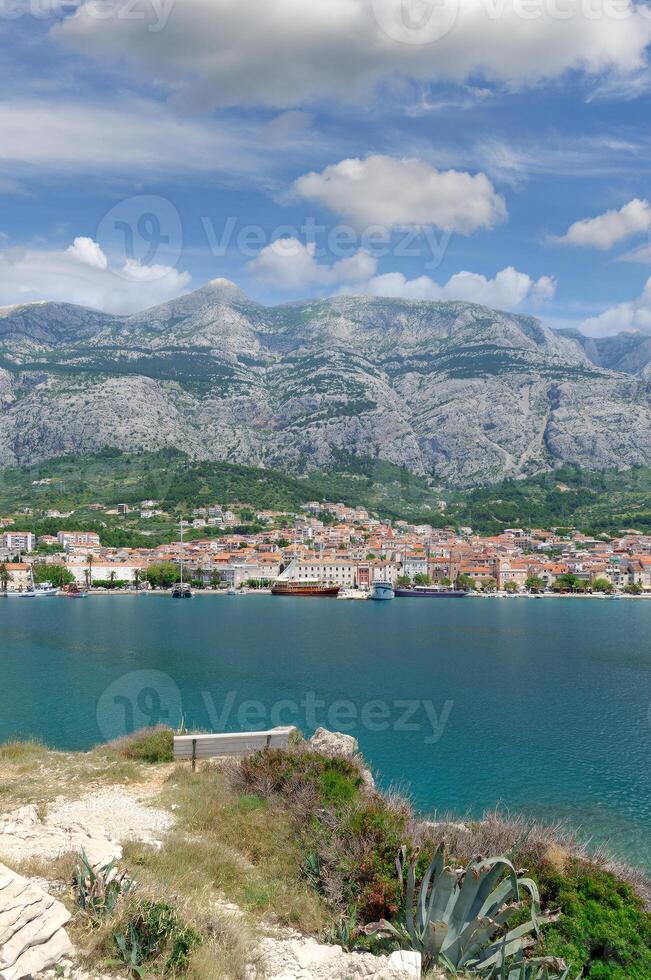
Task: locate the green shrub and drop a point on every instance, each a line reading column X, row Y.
column 315, row 780
column 349, row 837
column 604, row 928
column 351, row 857
column 152, row 932
column 151, row 745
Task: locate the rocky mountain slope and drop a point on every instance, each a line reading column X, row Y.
column 628, row 352
column 453, row 390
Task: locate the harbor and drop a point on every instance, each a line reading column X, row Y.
column 556, row 721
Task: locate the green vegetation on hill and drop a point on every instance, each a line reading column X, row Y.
column 595, row 502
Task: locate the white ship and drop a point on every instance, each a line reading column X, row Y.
column 34, row 591
column 382, row 591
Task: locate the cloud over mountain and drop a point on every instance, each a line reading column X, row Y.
column 287, row 52
column 632, row 315
column 288, row 264
column 607, row 229
column 81, row 274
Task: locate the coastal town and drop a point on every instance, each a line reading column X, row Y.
column 236, row 548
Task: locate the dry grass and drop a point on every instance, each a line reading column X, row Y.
column 528, row 843
column 58, row 870
column 227, row 948
column 242, row 847
column 500, row 832
column 32, row 773
column 25, row 752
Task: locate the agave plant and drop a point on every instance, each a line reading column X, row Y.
column 548, row 968
column 99, row 889
column 460, row 917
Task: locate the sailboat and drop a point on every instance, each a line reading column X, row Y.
column 34, row 591
column 181, row 590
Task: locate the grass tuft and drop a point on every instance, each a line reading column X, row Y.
column 19, row 750
column 150, row 745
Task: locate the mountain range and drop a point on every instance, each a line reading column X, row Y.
column 455, row 391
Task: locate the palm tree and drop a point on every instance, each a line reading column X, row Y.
column 137, row 576
column 112, row 578
column 4, row 576
column 90, row 558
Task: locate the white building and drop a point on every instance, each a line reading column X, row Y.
column 78, row 539
column 415, row 565
column 18, row 541
column 339, row 572
column 100, row 571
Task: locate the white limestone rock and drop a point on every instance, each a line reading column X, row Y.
column 23, row 836
column 334, row 743
column 95, row 824
column 32, row 937
column 301, row 958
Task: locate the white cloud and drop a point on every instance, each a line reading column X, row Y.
column 85, row 137
column 641, row 255
column 288, row 264
column 204, row 50
column 87, row 251
column 607, row 229
column 508, row 290
column 80, row 274
column 391, row 192
column 633, row 315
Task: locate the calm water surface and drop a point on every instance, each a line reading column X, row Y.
column 541, row 705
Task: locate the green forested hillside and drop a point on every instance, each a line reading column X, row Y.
column 598, row 502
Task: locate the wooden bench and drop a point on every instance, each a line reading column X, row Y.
column 195, row 747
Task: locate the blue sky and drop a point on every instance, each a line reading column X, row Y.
column 148, row 146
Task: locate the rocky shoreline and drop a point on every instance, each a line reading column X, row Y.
column 111, row 810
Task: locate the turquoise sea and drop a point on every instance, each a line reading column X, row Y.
column 539, row 705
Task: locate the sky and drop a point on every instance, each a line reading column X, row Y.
column 496, row 151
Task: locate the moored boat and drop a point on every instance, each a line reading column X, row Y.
column 306, row 588
column 382, row 591
column 34, row 591
column 182, row 591
column 45, row 589
column 429, row 592
column 73, row 592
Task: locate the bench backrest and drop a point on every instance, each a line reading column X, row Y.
column 193, row 747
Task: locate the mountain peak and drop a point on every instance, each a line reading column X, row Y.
column 223, row 283
column 226, row 290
